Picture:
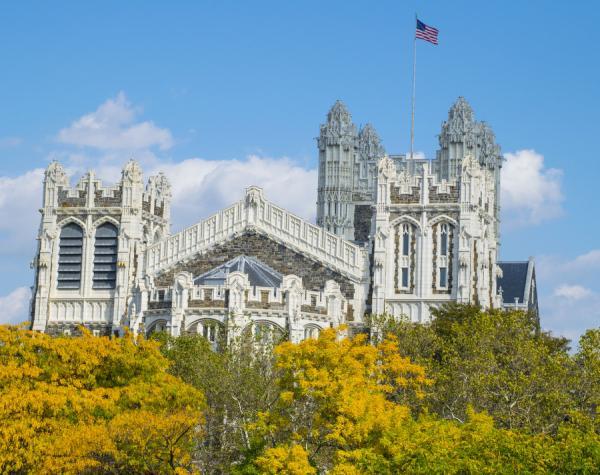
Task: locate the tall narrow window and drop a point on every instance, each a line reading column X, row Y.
column 405, row 277
column 405, row 240
column 444, row 240
column 405, row 257
column 105, row 257
column 443, row 277
column 69, row 257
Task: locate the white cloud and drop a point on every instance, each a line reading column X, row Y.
column 590, row 260
column 572, row 292
column 568, row 309
column 20, row 199
column 201, row 187
column 10, row 142
column 14, row 307
column 531, row 193
column 113, row 126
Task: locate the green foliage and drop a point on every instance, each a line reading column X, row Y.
column 238, row 383
column 494, row 361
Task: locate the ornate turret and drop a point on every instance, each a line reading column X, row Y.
column 339, row 122
column 338, row 147
column 369, row 144
column 461, row 134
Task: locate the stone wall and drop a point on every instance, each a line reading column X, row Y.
column 451, row 197
column 400, row 198
column 108, row 201
column 74, row 329
column 66, row 201
column 283, row 260
column 362, row 222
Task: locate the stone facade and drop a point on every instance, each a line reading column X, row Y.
column 393, row 234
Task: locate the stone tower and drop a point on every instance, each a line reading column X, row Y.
column 338, row 146
column 347, row 175
column 91, row 240
column 462, row 135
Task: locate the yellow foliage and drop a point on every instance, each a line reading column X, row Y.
column 69, row 405
column 338, row 392
column 285, row 460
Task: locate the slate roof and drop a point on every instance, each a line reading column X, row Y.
column 259, row 274
column 513, row 281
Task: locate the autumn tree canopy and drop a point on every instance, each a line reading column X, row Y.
column 472, row 392
column 89, row 404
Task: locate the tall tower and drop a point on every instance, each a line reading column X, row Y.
column 462, row 135
column 347, row 175
column 338, row 147
column 469, row 155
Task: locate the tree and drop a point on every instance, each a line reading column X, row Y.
column 587, row 359
column 494, row 361
column 92, row 404
column 337, row 394
column 239, row 382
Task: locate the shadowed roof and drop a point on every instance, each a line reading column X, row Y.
column 513, row 281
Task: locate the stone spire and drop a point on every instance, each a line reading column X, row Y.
column 338, row 129
column 339, row 120
column 369, row 143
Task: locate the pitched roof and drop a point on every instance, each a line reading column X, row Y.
column 259, row 274
column 513, row 281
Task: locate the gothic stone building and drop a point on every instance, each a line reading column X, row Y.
column 394, row 234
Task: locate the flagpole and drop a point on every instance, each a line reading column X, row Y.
column 412, row 116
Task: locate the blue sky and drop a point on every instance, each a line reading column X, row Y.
column 243, row 85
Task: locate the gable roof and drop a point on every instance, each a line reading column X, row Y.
column 256, row 214
column 259, row 274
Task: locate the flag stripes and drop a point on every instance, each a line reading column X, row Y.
column 427, row 33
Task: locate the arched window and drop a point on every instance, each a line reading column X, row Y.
column 69, row 257
column 311, row 332
column 157, row 327
column 105, row 257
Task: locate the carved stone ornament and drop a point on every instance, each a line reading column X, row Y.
column 132, row 172
column 254, row 196
column 386, row 167
column 56, row 173
column 160, row 185
column 469, row 164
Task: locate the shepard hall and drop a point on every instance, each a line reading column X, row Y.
column 394, row 234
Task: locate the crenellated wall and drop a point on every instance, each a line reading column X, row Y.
column 86, row 208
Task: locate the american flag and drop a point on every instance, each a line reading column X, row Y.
column 427, row 33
